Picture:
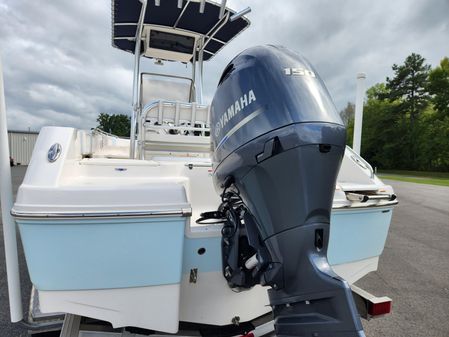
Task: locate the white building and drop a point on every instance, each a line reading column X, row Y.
column 21, row 144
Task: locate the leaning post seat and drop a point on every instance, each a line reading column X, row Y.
column 175, row 127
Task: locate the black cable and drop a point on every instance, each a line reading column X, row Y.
column 226, row 213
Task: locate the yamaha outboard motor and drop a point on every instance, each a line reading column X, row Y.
column 278, row 144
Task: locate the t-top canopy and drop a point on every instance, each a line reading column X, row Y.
column 168, row 17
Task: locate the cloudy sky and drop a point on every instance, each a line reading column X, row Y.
column 60, row 68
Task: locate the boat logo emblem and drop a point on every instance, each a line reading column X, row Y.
column 54, row 152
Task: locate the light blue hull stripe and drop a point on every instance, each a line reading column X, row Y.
column 104, row 254
column 358, row 235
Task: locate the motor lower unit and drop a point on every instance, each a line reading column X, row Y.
column 278, row 145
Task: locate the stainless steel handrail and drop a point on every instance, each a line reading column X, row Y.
column 351, row 196
column 155, row 104
column 174, row 127
column 181, row 128
column 136, row 81
column 184, row 212
column 168, row 102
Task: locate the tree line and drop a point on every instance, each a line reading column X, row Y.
column 406, row 118
column 116, row 124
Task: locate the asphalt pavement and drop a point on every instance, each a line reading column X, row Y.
column 413, row 270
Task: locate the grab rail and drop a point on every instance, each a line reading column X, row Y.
column 174, row 118
column 169, row 103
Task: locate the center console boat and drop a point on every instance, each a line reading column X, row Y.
column 206, row 207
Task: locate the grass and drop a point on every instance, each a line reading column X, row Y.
column 419, row 177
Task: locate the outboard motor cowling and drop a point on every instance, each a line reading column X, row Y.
column 278, row 145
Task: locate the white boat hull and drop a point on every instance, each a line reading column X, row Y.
column 116, row 239
column 118, row 252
